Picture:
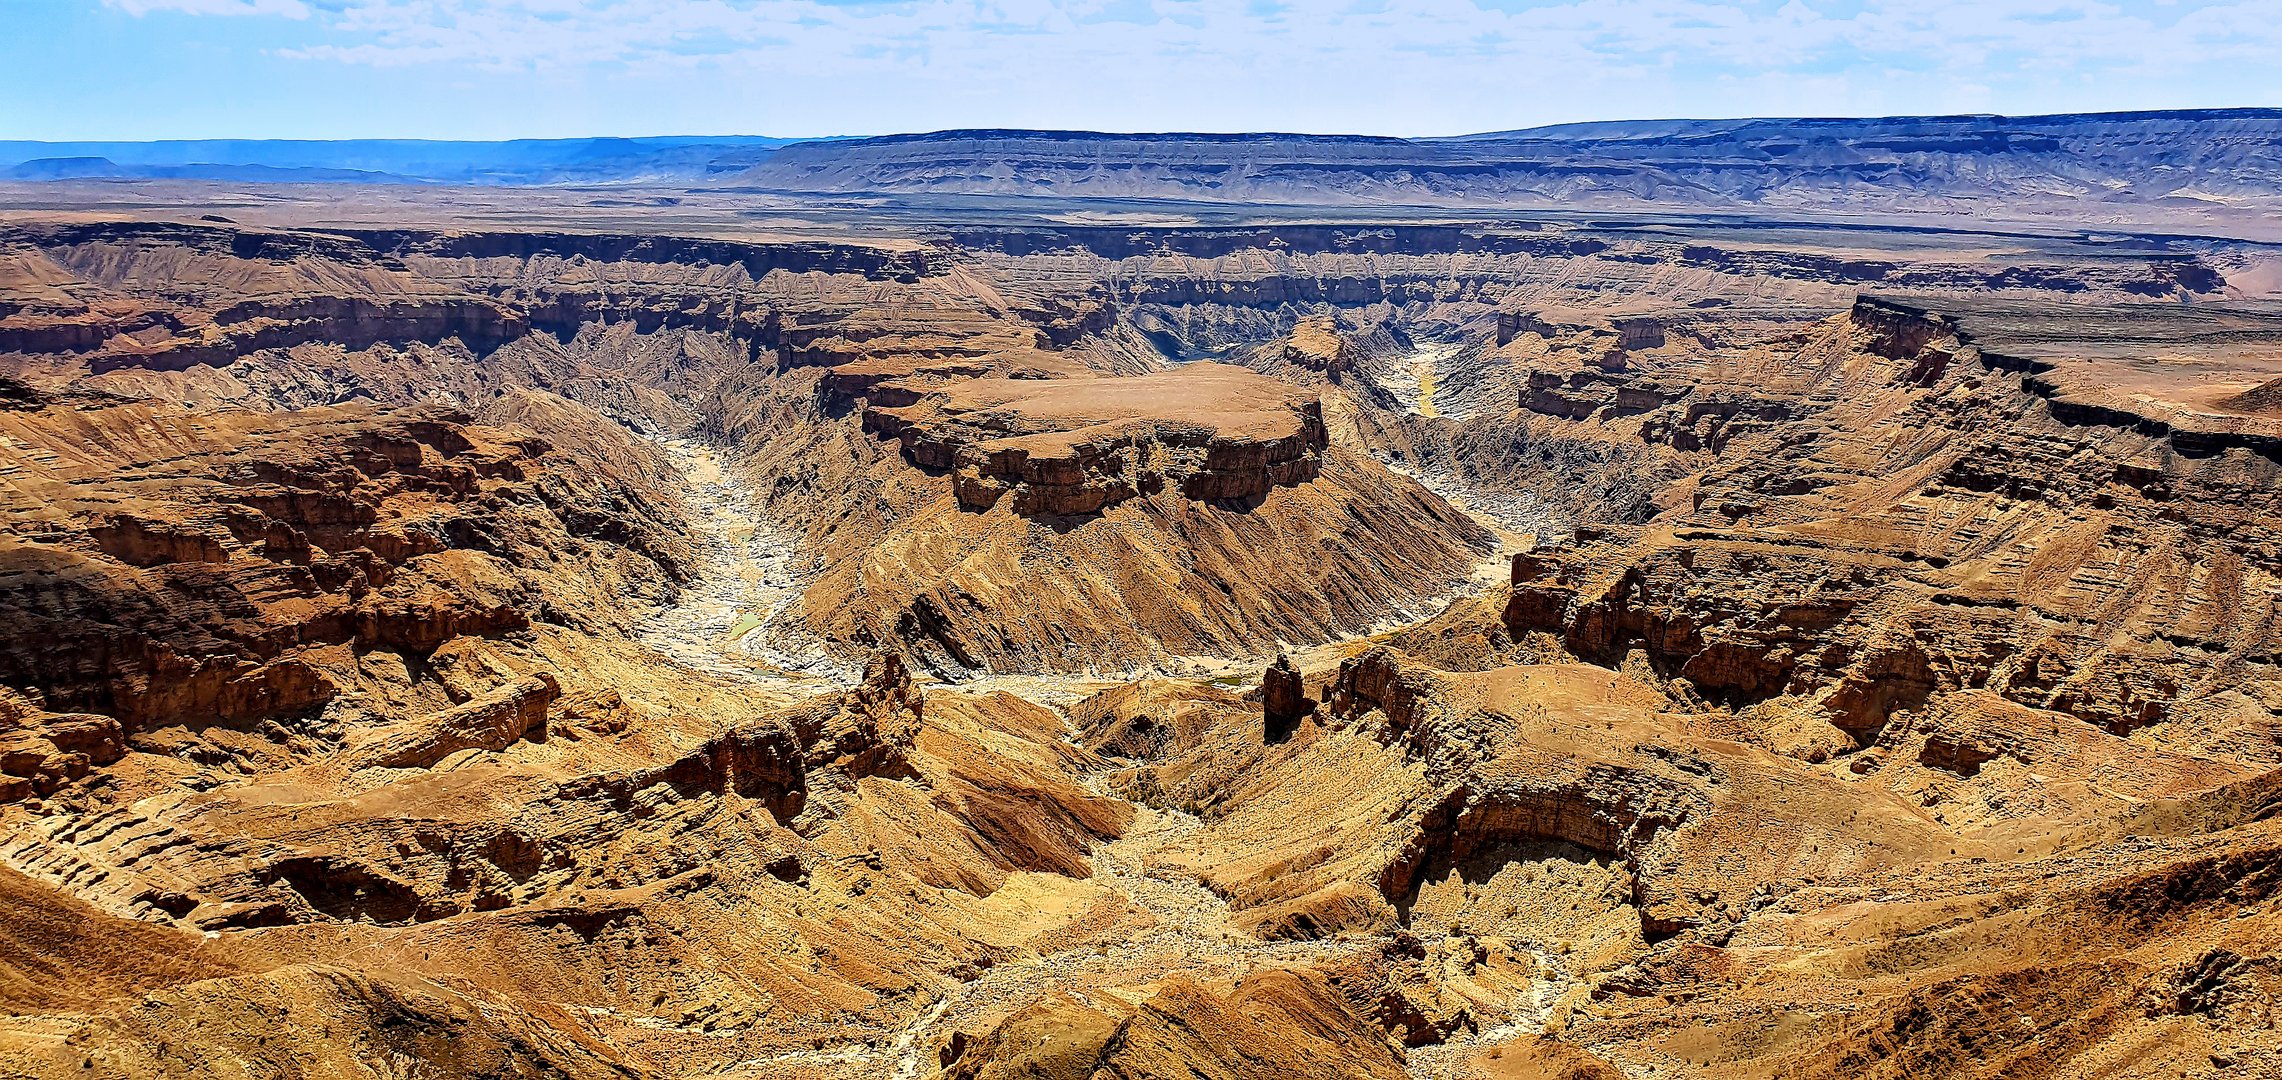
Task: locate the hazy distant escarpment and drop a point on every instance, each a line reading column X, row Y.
column 2093, row 167
column 1953, row 162
column 506, row 163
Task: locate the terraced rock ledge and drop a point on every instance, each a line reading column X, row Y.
column 1078, row 446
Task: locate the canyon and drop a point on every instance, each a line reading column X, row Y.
column 749, row 630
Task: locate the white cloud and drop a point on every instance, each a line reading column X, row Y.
column 291, row 9
column 1099, row 61
column 807, row 33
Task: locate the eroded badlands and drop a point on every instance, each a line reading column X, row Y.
column 1440, row 650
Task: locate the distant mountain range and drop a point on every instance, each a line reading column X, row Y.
column 2216, row 157
column 2221, row 160
column 662, row 159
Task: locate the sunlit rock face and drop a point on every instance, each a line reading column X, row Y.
column 1077, row 446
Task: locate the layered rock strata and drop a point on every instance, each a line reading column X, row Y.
column 1887, row 688
column 1913, row 548
column 1078, row 446
column 168, row 568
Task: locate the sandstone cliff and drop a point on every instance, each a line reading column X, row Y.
column 1077, row 446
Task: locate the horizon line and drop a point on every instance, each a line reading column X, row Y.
column 2270, row 110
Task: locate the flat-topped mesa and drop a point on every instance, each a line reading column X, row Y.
column 901, row 376
column 1588, row 374
column 2121, row 368
column 1592, row 339
column 1638, row 329
column 1079, row 446
column 1516, row 322
column 1316, row 344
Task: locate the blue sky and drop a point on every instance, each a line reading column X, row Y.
column 486, row 69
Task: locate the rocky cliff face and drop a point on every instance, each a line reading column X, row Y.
column 169, row 569
column 2003, row 606
column 1075, row 447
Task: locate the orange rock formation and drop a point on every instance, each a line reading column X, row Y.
column 1278, row 650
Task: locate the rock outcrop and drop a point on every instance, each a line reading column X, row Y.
column 1274, row 1023
column 1283, row 700
column 1851, row 612
column 1316, row 344
column 492, row 722
column 41, row 752
column 207, row 588
column 1066, row 447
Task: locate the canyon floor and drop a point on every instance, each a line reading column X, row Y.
column 666, row 633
